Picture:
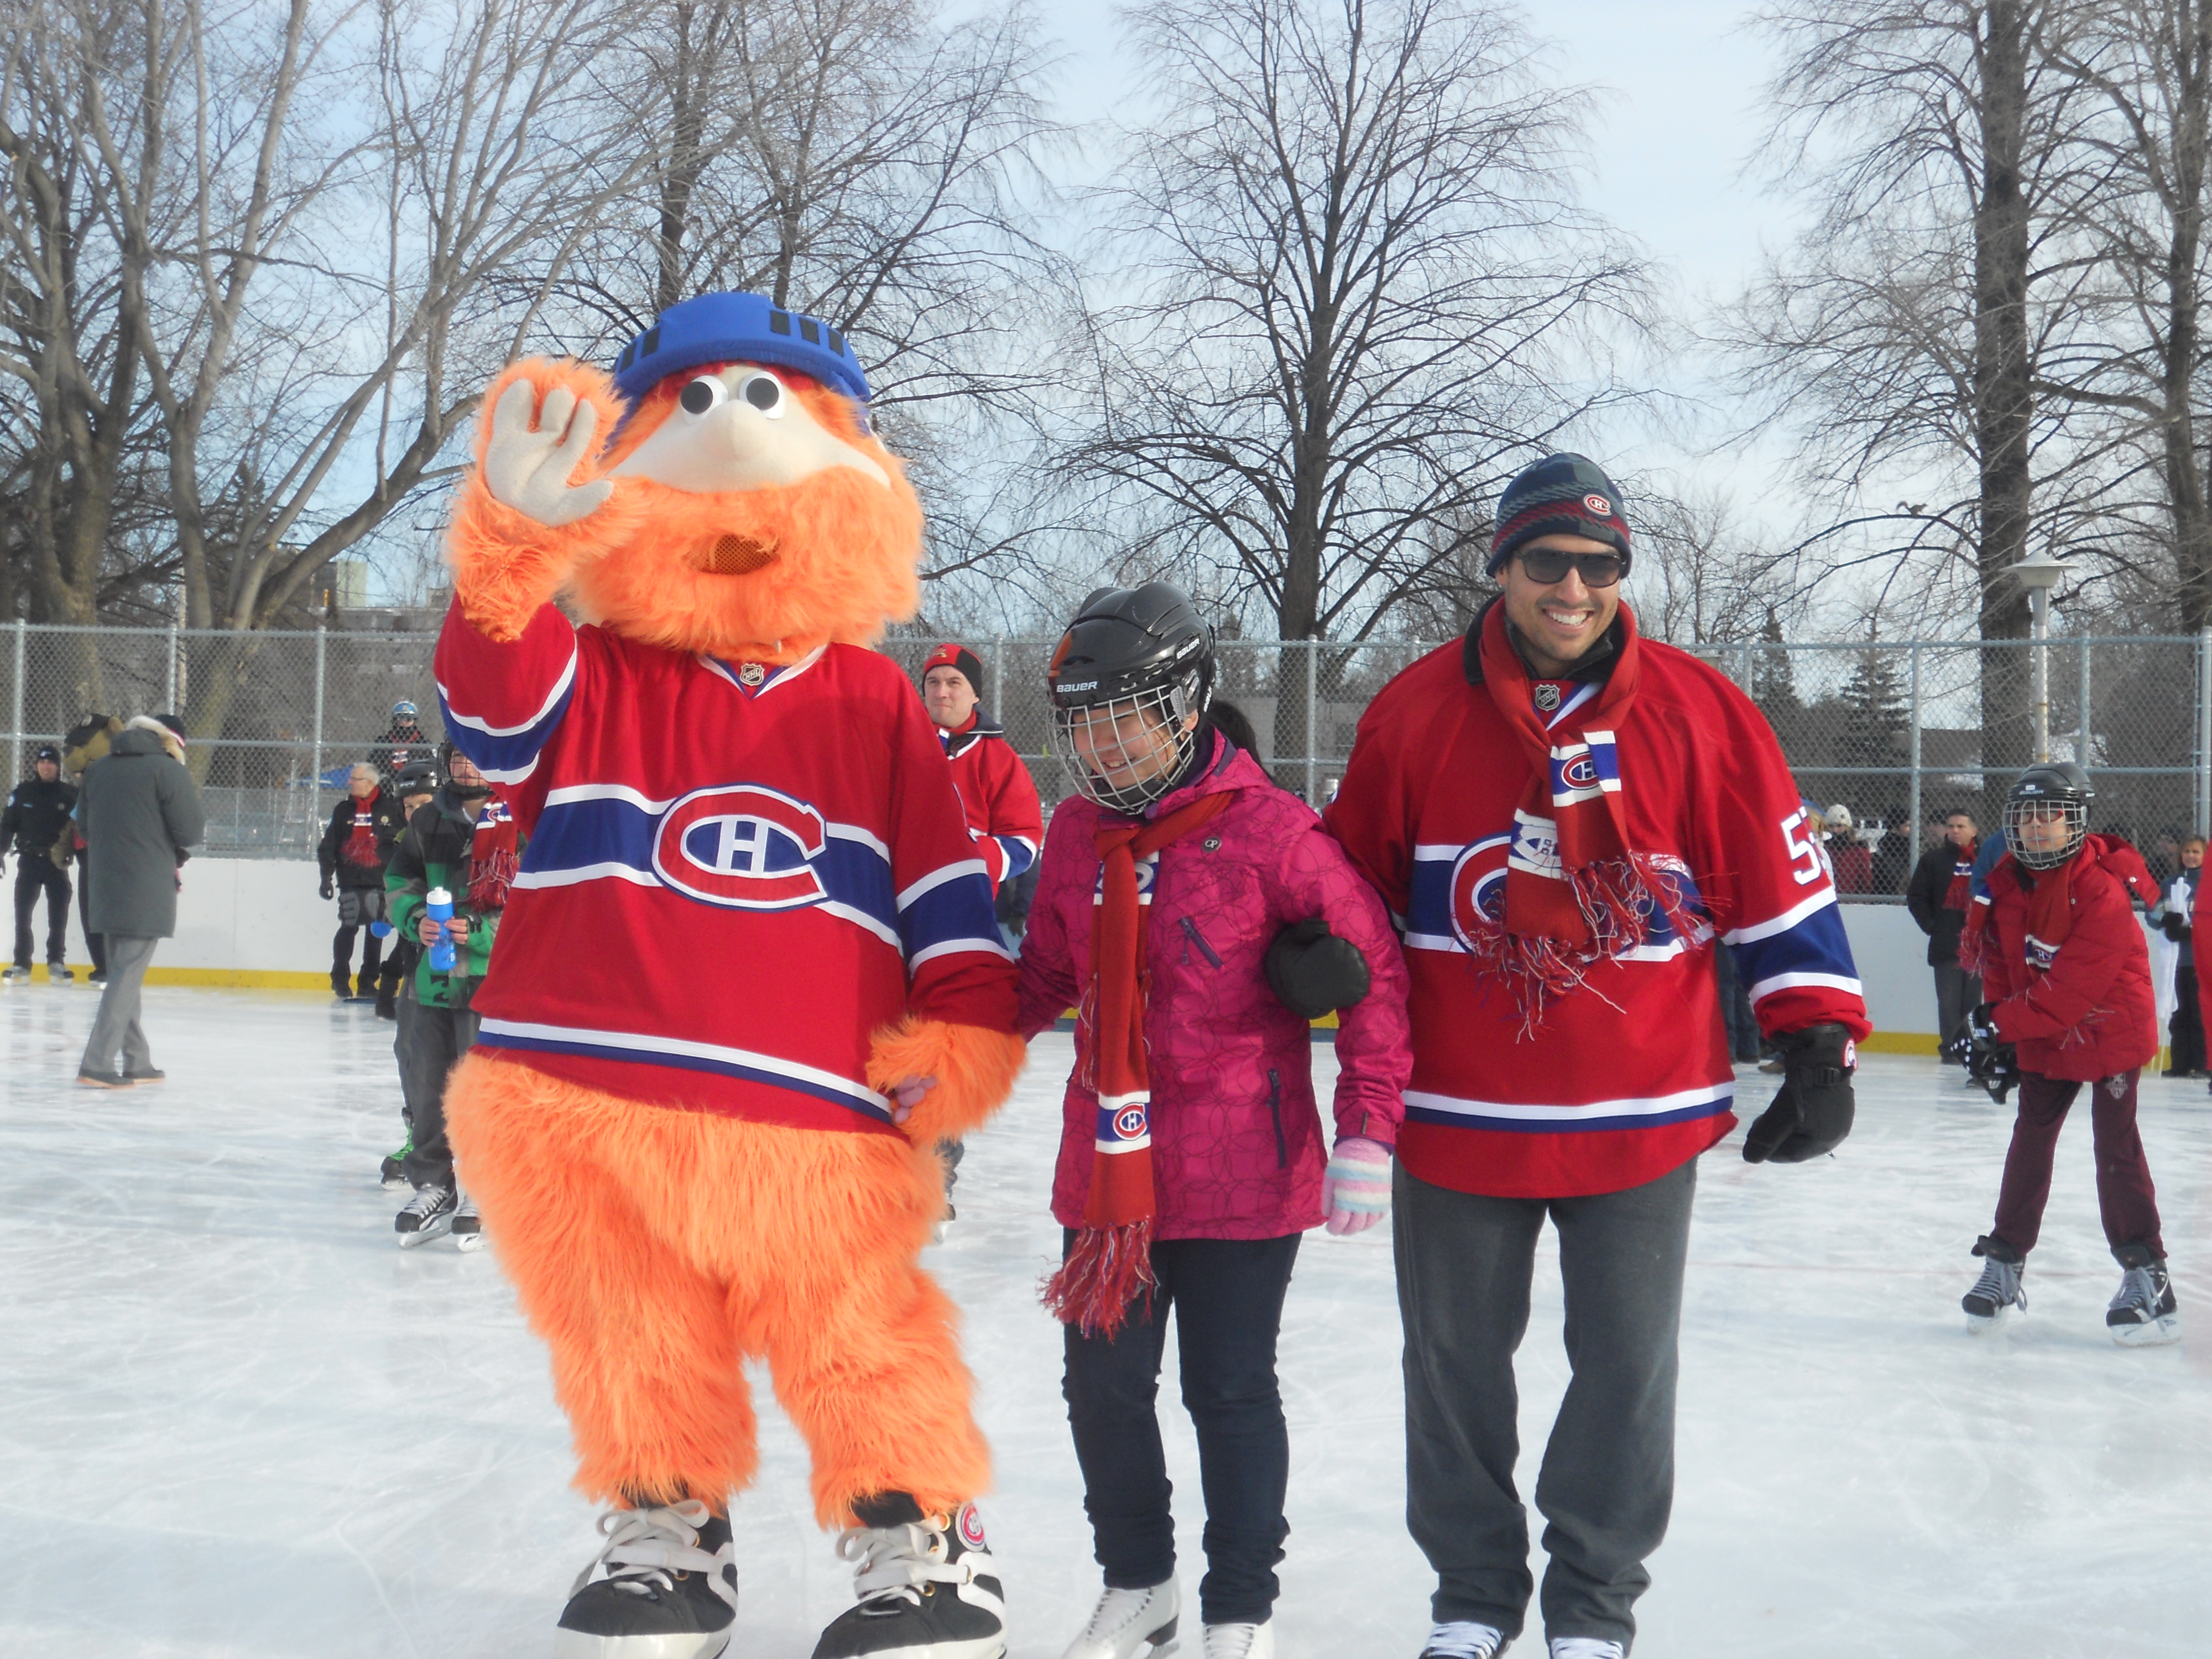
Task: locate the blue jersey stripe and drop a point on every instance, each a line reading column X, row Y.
column 1817, row 943
column 959, row 908
column 510, row 753
column 1568, row 1126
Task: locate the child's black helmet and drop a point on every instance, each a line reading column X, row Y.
column 2060, row 788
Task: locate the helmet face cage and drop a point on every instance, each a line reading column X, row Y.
column 1163, row 707
column 2019, row 809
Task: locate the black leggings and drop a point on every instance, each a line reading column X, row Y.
column 1228, row 1294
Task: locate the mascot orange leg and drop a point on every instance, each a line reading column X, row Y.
column 654, row 1250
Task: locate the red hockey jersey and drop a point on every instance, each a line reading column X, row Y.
column 737, row 873
column 1006, row 820
column 1628, row 1077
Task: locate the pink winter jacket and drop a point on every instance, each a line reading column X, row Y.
column 1237, row 1143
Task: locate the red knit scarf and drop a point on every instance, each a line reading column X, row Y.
column 1575, row 892
column 361, row 843
column 1112, row 1259
column 1961, row 892
column 2050, row 913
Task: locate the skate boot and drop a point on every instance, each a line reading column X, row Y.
column 342, row 985
column 1465, row 1639
column 1130, row 1623
column 928, row 1587
column 468, row 1227
column 98, row 976
column 58, row 973
column 1240, row 1642
column 14, row 976
column 394, row 1173
column 671, row 1591
column 428, row 1214
column 1999, row 1286
column 2143, row 1314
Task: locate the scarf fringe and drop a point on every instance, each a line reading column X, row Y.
column 1621, row 901
column 1103, row 1275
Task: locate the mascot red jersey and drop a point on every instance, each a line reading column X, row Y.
column 748, row 976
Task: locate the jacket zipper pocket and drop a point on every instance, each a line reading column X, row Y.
column 1190, row 931
column 1275, row 1110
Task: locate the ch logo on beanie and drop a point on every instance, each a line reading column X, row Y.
column 1599, row 505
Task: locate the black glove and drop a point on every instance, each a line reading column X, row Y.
column 1813, row 1110
column 1990, row 1061
column 330, row 889
column 2173, row 925
column 1312, row 971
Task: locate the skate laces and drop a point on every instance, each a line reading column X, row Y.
column 2000, row 1283
column 2139, row 1291
column 1463, row 1639
column 891, row 1564
column 429, row 1202
column 1117, row 1610
column 645, row 1548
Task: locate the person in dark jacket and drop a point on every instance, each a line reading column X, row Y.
column 37, row 817
column 141, row 817
column 362, row 829
column 402, row 746
column 85, row 743
column 1941, row 890
column 2172, row 913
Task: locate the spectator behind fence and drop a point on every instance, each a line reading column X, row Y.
column 2177, row 961
column 402, row 746
column 85, row 743
column 1851, row 858
column 352, row 853
column 36, row 819
column 1938, row 895
column 140, row 814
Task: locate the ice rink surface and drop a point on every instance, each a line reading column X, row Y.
column 236, row 1419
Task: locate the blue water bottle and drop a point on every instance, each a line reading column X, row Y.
column 438, row 905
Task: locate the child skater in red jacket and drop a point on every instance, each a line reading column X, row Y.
column 2067, row 971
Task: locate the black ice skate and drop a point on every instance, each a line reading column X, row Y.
column 1131, row 1624
column 468, row 1227
column 428, row 1214
column 1999, row 1286
column 1465, row 1639
column 928, row 1587
column 15, row 975
column 58, row 973
column 671, row 1590
column 2143, row 1314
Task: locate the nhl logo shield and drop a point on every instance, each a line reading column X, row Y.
column 1547, row 697
column 751, row 676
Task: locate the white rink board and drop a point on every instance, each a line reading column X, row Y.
column 240, row 1422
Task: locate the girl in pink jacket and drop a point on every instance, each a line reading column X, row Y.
column 1197, row 916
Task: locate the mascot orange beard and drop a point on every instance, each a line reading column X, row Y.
column 654, row 1249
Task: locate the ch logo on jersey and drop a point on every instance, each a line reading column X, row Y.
column 743, row 846
column 1477, row 889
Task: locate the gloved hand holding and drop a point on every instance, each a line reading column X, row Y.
column 1356, row 1191
column 1990, row 1061
column 329, row 888
column 2174, row 926
column 1813, row 1111
column 1313, row 972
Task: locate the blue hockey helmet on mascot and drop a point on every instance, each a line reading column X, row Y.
column 738, row 328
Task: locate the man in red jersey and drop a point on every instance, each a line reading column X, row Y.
column 1561, row 817
column 1006, row 820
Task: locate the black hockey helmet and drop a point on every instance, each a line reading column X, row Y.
column 416, row 778
column 2060, row 787
column 1133, row 651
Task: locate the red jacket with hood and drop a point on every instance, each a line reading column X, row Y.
column 2090, row 1013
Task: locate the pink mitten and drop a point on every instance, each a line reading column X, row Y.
column 1356, row 1191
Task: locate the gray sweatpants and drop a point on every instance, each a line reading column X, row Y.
column 115, row 1027
column 1608, row 1481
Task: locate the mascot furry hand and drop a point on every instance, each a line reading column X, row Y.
column 748, row 976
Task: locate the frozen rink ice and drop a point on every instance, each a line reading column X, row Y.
column 239, row 1420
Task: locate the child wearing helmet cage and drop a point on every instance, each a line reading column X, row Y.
column 1197, row 916
column 2067, row 975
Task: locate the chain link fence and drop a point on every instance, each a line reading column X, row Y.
column 1898, row 733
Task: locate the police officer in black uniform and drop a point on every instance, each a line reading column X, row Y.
column 37, row 815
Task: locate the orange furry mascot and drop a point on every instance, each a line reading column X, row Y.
column 748, row 977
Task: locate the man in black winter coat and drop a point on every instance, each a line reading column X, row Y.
column 352, row 852
column 1937, row 895
column 37, row 815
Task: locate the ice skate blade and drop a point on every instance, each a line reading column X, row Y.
column 469, row 1243
column 672, row 1644
column 2156, row 1334
column 437, row 1229
column 1979, row 1325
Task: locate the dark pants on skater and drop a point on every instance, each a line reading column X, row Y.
column 2125, row 1197
column 35, row 874
column 95, row 944
column 2184, row 1030
column 1737, row 1019
column 1958, row 994
column 358, row 907
column 1608, row 1481
column 429, row 1044
column 1227, row 1294
column 115, row 1027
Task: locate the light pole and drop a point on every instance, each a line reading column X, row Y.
column 2038, row 573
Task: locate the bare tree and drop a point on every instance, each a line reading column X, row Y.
column 1357, row 287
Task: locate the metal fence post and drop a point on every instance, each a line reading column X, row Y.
column 16, row 718
column 2203, row 732
column 1913, row 820
column 315, row 767
column 2082, row 746
column 1313, row 720
column 175, row 702
column 999, row 678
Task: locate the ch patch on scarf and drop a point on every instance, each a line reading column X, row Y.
column 2040, row 955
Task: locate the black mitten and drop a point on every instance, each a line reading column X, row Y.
column 1313, row 971
column 2174, row 926
column 1990, row 1061
column 1813, row 1110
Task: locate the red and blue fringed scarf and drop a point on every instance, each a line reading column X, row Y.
column 1111, row 1261
column 1575, row 892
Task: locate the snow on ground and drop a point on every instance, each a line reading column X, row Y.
column 236, row 1419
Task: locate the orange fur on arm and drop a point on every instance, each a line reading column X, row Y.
column 506, row 564
column 974, row 1071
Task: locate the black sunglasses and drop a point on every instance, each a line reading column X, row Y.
column 1547, row 565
